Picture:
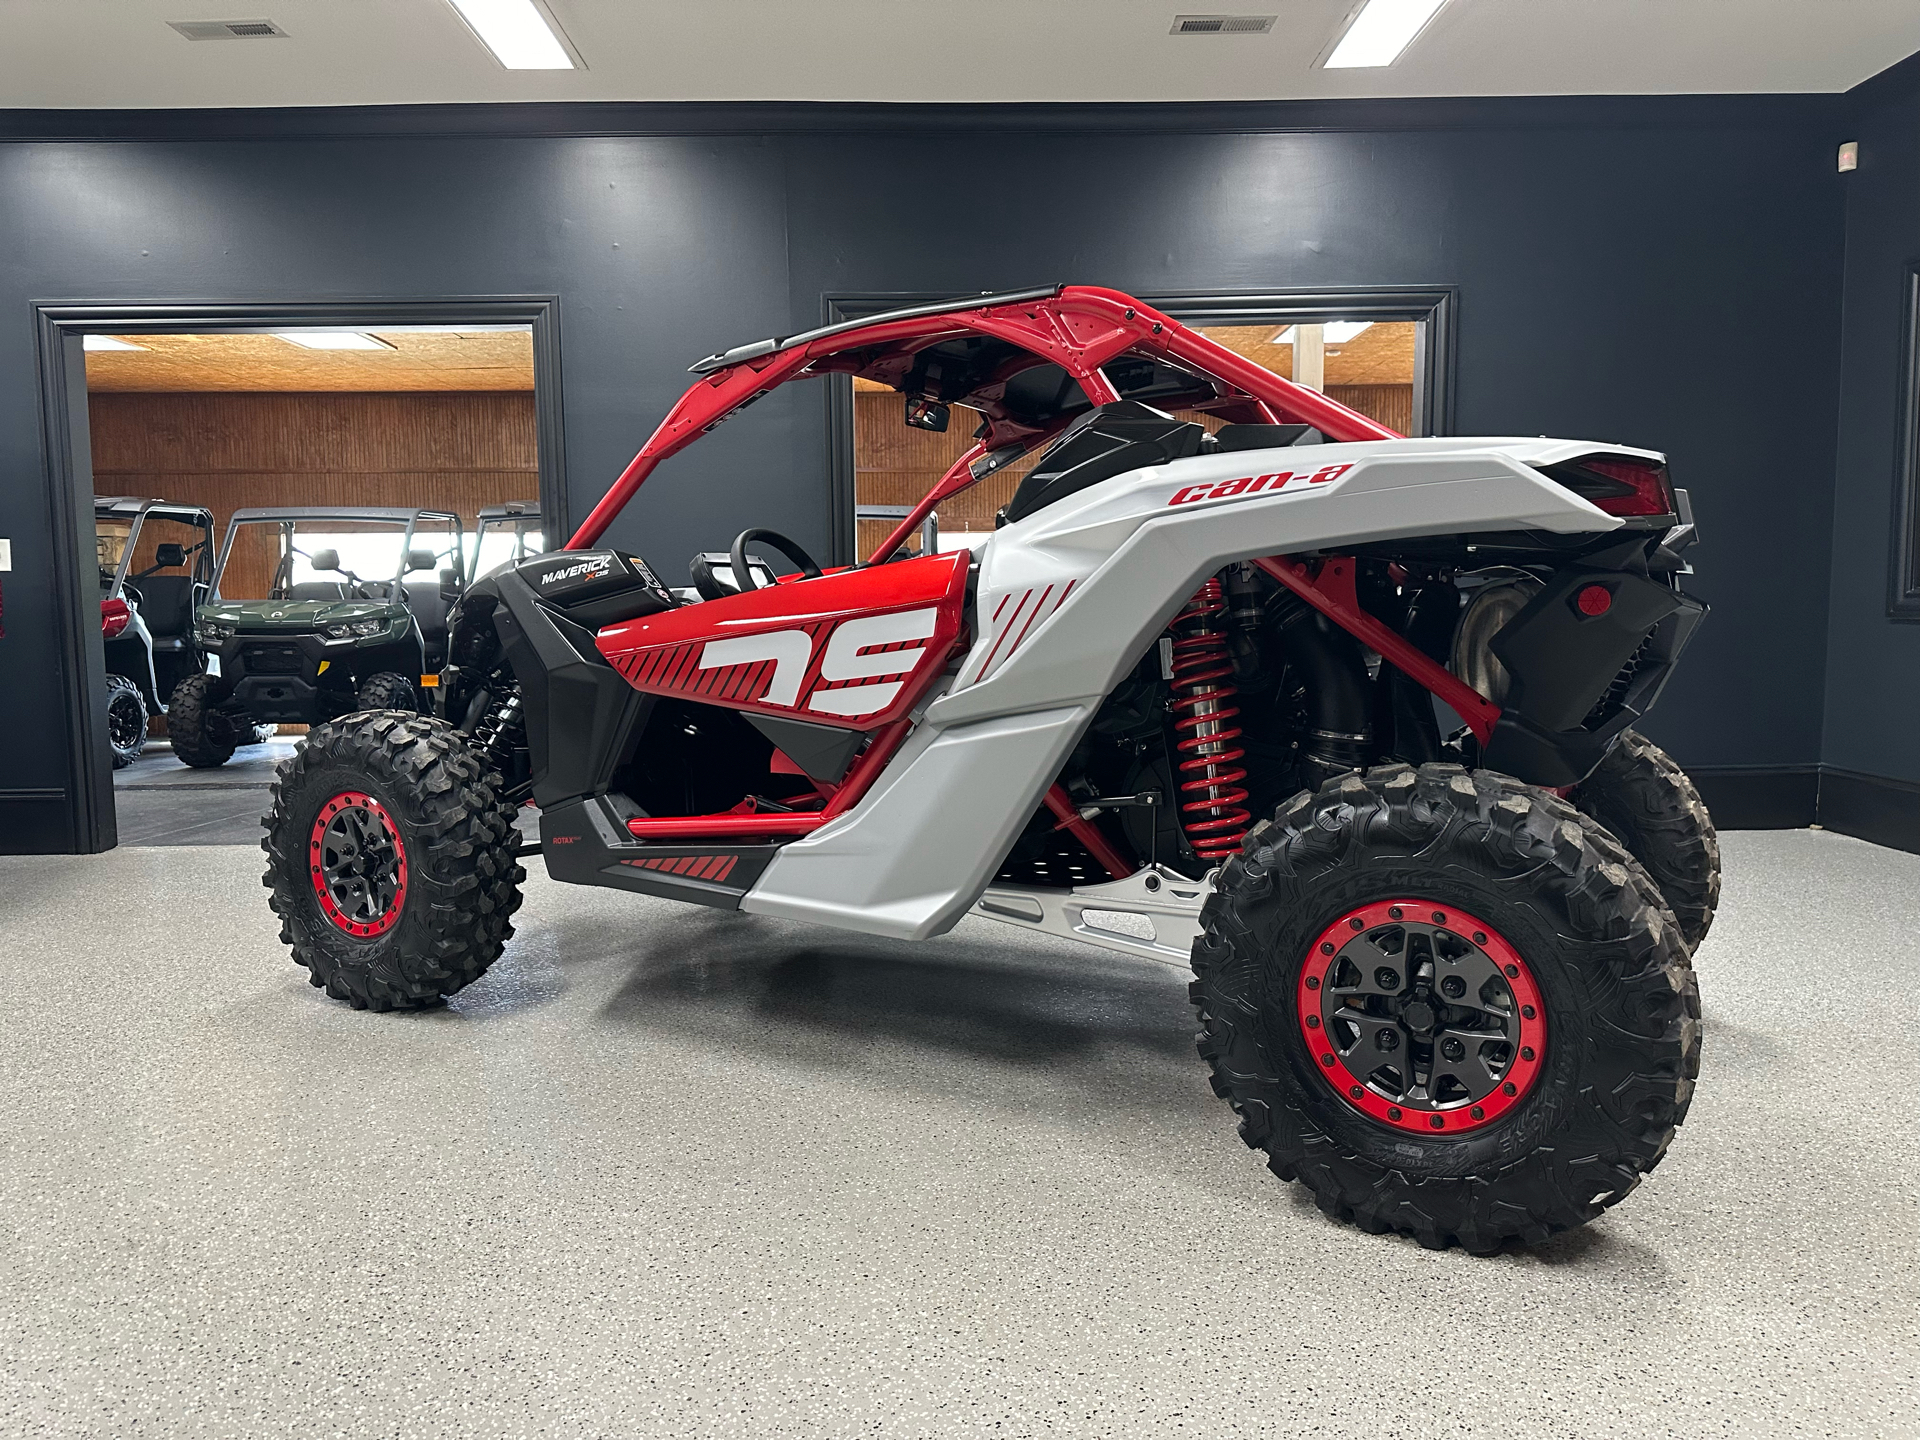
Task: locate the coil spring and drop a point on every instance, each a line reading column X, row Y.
column 498, row 732
column 1211, row 812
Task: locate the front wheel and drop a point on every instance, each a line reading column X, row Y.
column 126, row 720
column 391, row 861
column 386, row 691
column 203, row 734
column 1449, row 1004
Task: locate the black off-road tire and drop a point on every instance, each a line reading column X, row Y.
column 386, row 691
column 1622, row 1031
column 126, row 720
column 1651, row 807
column 457, row 838
column 203, row 734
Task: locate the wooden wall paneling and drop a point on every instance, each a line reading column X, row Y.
column 446, row 451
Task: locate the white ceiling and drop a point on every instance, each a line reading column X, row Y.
column 120, row 53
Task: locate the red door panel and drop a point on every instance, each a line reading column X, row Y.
column 856, row 648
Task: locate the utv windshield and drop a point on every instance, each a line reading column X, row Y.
column 500, row 540
column 321, row 556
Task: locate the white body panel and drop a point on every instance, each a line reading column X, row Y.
column 1069, row 599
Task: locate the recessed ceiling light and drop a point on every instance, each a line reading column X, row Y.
column 520, row 36
column 333, row 340
column 1380, row 32
column 1334, row 332
column 106, row 342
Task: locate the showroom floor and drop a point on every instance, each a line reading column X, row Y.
column 678, row 1172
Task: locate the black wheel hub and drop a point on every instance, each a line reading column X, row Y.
column 125, row 720
column 358, row 864
column 1420, row 1014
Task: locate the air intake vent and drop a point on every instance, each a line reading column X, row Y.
column 1222, row 24
column 228, row 29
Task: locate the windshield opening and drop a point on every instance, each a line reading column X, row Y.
column 327, row 558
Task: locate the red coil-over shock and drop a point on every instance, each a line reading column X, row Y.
column 1203, row 692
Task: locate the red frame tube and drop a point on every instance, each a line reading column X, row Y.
column 1080, row 329
column 1087, row 833
column 1329, row 589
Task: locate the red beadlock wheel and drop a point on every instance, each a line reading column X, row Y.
column 1422, row 1016
column 357, row 863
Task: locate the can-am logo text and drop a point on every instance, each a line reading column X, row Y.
column 1253, row 484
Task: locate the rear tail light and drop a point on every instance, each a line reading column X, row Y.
column 1618, row 484
column 114, row 617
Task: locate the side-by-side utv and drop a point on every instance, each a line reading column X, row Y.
column 156, row 567
column 296, row 634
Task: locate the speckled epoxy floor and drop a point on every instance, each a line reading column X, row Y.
column 672, row 1172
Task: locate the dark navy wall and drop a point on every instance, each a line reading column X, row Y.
column 1873, row 673
column 1618, row 278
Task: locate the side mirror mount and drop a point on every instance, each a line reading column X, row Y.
column 324, row 560
column 169, row 556
column 418, row 560
column 450, row 589
column 925, row 414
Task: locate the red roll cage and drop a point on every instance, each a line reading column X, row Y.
column 1079, row 328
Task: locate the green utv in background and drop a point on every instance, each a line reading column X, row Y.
column 324, row 640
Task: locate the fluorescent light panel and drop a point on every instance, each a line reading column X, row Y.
column 106, row 342
column 516, row 32
column 1380, row 32
column 1335, row 332
column 333, row 340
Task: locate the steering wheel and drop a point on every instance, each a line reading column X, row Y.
column 743, row 576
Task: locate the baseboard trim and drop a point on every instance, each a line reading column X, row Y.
column 1871, row 807
column 1791, row 797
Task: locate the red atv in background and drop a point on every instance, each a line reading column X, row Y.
column 1242, row 680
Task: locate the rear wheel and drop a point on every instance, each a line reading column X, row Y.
column 385, row 691
column 126, row 720
column 1448, row 1004
column 1651, row 807
column 203, row 734
column 391, row 859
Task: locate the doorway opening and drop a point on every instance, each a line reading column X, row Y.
column 265, row 510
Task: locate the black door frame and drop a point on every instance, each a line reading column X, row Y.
column 60, row 328
column 1433, row 306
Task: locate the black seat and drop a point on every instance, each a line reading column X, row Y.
column 317, row 590
column 166, row 605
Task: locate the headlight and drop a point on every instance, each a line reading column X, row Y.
column 214, row 633
column 355, row 629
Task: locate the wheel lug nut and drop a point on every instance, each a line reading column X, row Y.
column 1453, row 987
column 1386, row 979
column 1453, row 1050
column 1387, row 1039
